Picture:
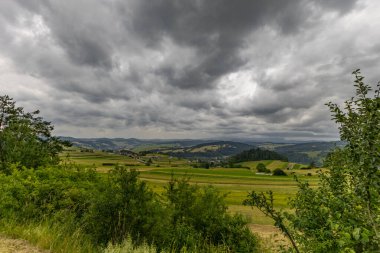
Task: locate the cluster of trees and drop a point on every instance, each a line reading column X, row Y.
column 343, row 213
column 257, row 154
column 25, row 138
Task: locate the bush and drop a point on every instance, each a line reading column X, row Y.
column 262, row 169
column 279, row 172
column 123, row 206
column 29, row 194
column 199, row 214
column 108, row 164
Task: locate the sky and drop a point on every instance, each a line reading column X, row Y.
column 258, row 69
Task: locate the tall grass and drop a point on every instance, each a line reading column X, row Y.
column 67, row 239
column 50, row 236
column 127, row 246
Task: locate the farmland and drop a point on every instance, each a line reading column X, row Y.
column 235, row 183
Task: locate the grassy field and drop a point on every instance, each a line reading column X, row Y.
column 236, row 183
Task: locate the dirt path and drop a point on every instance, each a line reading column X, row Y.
column 8, row 245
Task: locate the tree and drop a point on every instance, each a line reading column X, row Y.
column 279, row 172
column 343, row 213
column 262, row 168
column 25, row 138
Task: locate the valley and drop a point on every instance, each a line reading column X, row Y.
column 157, row 169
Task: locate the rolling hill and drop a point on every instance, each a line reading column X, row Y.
column 304, row 153
column 212, row 150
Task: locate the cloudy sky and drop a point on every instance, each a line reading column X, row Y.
column 258, row 69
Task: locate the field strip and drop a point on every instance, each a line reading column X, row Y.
column 219, row 176
column 159, row 180
column 238, row 179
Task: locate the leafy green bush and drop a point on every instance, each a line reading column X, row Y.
column 108, row 164
column 124, row 206
column 200, row 214
column 262, row 168
column 29, row 194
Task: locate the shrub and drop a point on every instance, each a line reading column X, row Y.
column 199, row 214
column 123, row 206
column 262, row 168
column 29, row 194
column 279, row 172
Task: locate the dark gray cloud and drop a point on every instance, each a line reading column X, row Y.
column 166, row 69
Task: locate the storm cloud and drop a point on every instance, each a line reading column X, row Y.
column 187, row 69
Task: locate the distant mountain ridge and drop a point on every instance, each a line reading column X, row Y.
column 304, row 153
column 130, row 143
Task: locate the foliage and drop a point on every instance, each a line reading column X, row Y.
column 279, row 172
column 25, row 138
column 123, row 205
column 262, row 168
column 264, row 202
column 200, row 214
column 28, row 194
column 343, row 213
column 109, row 208
column 257, row 154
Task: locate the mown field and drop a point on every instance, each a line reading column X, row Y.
column 235, row 183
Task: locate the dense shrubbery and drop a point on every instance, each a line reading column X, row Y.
column 110, row 208
column 203, row 212
column 343, row 213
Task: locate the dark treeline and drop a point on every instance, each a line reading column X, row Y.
column 257, row 154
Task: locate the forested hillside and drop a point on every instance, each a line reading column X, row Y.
column 257, row 154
